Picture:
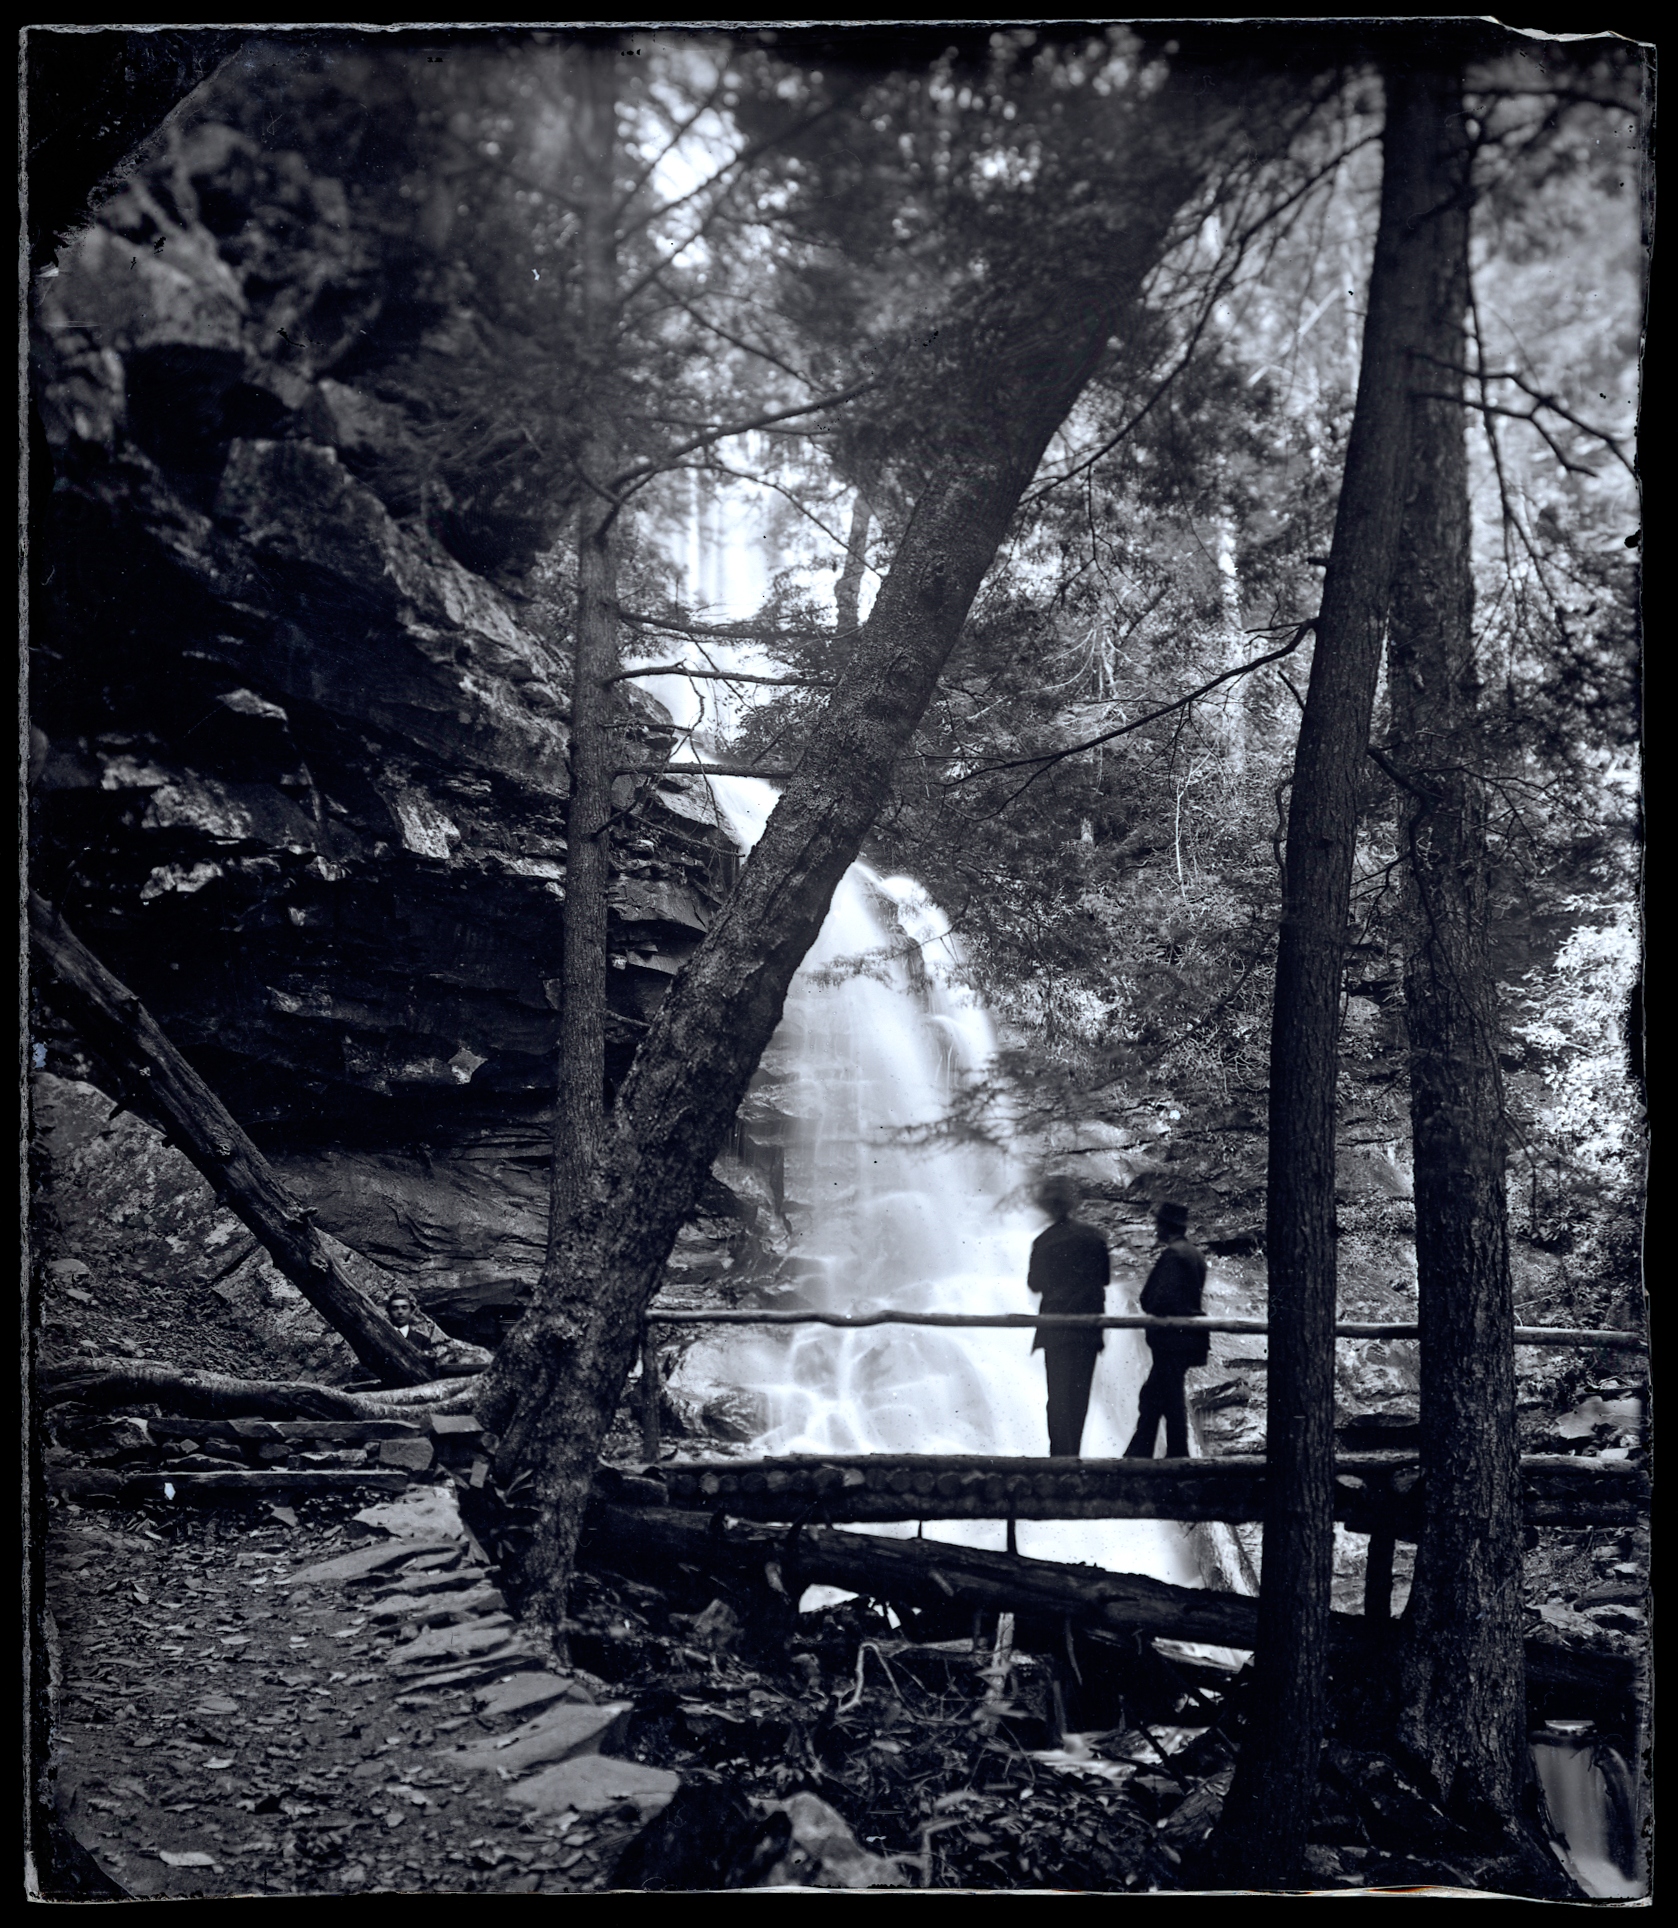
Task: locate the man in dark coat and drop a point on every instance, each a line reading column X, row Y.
column 1172, row 1292
column 450, row 1358
column 1069, row 1268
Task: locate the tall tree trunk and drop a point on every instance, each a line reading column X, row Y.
column 1008, row 383
column 1462, row 1702
column 1261, row 1835
column 579, row 1122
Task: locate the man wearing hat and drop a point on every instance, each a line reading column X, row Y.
column 1070, row 1268
column 1172, row 1292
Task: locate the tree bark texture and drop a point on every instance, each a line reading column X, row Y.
column 1262, row 1832
column 115, row 1025
column 580, row 1112
column 847, row 588
column 1463, row 1700
column 1005, row 382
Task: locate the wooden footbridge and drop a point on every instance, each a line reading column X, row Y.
column 1376, row 1492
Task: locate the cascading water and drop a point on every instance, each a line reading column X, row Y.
column 1588, row 1791
column 861, row 1055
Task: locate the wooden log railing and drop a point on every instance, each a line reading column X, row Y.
column 1120, row 1321
column 1050, row 1321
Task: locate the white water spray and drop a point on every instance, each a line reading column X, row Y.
column 860, row 1056
column 1589, row 1794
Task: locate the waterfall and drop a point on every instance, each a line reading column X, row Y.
column 1588, row 1792
column 862, row 1054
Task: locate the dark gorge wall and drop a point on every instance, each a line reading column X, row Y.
column 300, row 772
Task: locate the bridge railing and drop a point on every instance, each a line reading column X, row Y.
column 1121, row 1321
column 1054, row 1321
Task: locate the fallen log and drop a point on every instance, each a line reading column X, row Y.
column 215, row 1395
column 648, row 1540
column 923, row 1573
column 218, row 1489
column 115, row 1025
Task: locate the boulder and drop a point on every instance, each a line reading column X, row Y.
column 824, row 1853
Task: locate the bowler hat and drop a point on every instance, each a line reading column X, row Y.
column 1176, row 1216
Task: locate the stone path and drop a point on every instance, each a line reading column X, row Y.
column 257, row 1709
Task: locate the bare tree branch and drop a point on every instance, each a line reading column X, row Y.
column 746, row 632
column 1048, row 757
column 1207, row 308
column 723, row 676
column 677, row 136
column 672, row 457
column 743, row 159
column 737, row 341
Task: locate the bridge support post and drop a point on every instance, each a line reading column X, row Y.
column 1378, row 1577
column 651, row 1444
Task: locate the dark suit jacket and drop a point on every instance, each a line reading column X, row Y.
column 1070, row 1267
column 1173, row 1292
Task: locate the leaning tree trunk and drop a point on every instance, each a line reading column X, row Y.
column 1008, row 382
column 1463, row 1698
column 580, row 1117
column 1261, row 1835
column 123, row 1034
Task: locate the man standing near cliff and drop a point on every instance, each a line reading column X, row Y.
column 1172, row 1292
column 1070, row 1268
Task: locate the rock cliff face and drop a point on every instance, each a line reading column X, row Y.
column 300, row 771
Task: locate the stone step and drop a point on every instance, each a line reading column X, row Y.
column 365, row 1561
column 515, row 1663
column 526, row 1694
column 436, row 1610
column 591, row 1783
column 486, row 1635
column 328, row 1432
column 557, row 1734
